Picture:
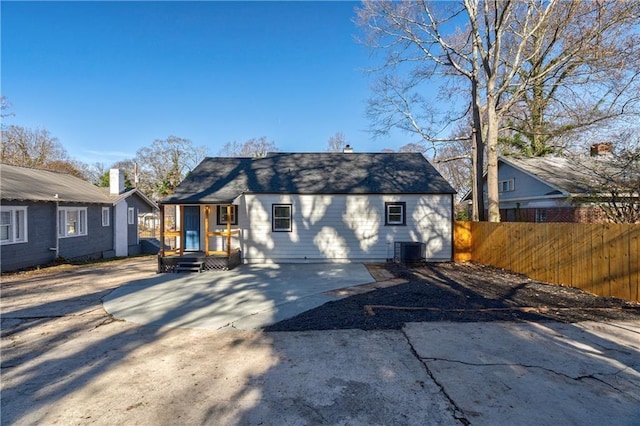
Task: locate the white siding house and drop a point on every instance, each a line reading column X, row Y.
column 325, row 207
column 342, row 228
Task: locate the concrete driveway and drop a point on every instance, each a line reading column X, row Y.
column 66, row 361
column 245, row 298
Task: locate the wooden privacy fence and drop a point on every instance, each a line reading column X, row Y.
column 603, row 259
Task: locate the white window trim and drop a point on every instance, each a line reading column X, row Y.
column 14, row 235
column 222, row 212
column 106, row 216
column 274, row 217
column 388, row 214
column 63, row 218
column 510, row 184
column 131, row 213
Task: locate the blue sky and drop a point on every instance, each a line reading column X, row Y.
column 107, row 78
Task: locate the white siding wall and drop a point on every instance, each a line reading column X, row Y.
column 120, row 226
column 342, row 228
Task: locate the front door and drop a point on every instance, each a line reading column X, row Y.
column 192, row 228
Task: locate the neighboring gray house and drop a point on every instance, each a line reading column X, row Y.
column 45, row 215
column 554, row 189
column 309, row 207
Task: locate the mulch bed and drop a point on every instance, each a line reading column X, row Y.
column 466, row 292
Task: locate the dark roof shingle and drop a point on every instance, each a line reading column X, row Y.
column 221, row 180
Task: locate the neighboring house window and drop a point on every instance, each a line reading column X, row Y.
column 131, row 215
column 13, row 225
column 72, row 221
column 281, row 219
column 105, row 216
column 395, row 213
column 541, row 215
column 506, row 185
column 222, row 215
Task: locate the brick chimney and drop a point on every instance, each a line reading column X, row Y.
column 601, row 148
column 116, row 181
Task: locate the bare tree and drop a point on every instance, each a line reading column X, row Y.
column 4, row 106
column 490, row 45
column 422, row 45
column 165, row 163
column 102, row 174
column 254, row 147
column 584, row 68
column 336, row 143
column 37, row 149
column 413, row 147
column 615, row 182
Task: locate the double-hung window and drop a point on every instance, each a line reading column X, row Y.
column 13, row 224
column 72, row 221
column 222, row 215
column 395, row 213
column 106, row 216
column 506, row 185
column 281, row 218
column 131, row 215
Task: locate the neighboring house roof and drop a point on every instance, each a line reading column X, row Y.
column 116, row 198
column 572, row 176
column 566, row 176
column 221, row 180
column 26, row 184
column 22, row 183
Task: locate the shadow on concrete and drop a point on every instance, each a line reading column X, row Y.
column 83, row 366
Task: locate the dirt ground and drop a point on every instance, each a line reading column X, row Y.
column 462, row 292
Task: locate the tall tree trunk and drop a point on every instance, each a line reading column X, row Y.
column 477, row 159
column 492, row 160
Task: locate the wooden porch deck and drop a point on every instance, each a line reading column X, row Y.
column 221, row 261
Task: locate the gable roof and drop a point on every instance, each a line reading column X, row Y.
column 22, row 183
column 128, row 192
column 574, row 176
column 221, row 180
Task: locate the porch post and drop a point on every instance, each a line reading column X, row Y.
column 182, row 236
column 207, row 209
column 161, row 230
column 229, row 209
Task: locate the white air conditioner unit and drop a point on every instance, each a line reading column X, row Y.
column 409, row 252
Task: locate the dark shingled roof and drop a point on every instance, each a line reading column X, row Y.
column 22, row 183
column 221, row 180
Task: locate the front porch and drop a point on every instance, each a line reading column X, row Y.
column 185, row 246
column 220, row 261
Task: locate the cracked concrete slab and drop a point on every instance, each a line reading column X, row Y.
column 64, row 361
column 526, row 373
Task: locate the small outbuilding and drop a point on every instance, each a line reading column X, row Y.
column 307, row 207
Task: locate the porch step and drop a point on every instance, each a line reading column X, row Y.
column 189, row 267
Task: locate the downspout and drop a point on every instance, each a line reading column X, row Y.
column 57, row 248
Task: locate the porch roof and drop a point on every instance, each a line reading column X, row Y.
column 222, row 180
